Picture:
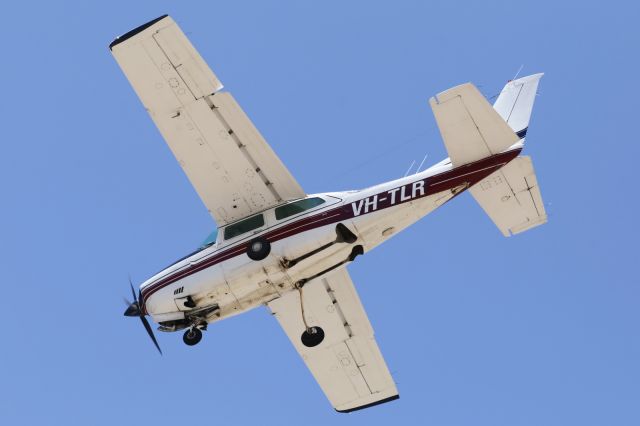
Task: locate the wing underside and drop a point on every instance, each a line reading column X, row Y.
column 230, row 165
column 348, row 364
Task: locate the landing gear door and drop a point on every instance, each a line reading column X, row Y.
column 185, row 303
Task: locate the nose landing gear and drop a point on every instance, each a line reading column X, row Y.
column 195, row 323
column 192, row 336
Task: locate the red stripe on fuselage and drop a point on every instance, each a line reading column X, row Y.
column 469, row 173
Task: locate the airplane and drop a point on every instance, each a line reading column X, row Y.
column 276, row 245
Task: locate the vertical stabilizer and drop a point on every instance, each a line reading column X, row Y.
column 515, row 102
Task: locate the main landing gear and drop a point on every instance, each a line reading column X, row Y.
column 314, row 335
column 259, row 248
column 343, row 235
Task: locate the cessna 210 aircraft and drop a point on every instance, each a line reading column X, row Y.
column 278, row 246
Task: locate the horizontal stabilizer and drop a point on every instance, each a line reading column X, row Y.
column 511, row 197
column 470, row 127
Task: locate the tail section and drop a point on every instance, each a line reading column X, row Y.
column 472, row 130
column 515, row 102
column 511, row 196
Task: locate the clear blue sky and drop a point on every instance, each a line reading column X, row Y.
column 539, row 329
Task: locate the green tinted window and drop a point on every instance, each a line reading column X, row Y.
column 297, row 207
column 243, row 226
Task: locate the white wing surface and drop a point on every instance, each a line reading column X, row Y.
column 232, row 168
column 347, row 364
column 470, row 127
column 511, row 197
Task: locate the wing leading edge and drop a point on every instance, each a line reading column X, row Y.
column 348, row 364
column 230, row 165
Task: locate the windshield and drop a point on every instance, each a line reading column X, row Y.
column 211, row 239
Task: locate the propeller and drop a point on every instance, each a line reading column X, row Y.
column 134, row 310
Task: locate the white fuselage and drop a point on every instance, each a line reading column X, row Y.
column 223, row 274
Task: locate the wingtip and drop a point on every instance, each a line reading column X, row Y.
column 135, row 31
column 373, row 404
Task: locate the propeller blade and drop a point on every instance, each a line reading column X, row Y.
column 150, row 332
column 134, row 310
column 133, row 292
column 126, row 302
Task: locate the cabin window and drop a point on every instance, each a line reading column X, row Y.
column 296, row 207
column 238, row 228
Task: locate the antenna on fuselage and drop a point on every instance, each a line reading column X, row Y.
column 409, row 169
column 422, row 162
column 508, row 81
column 518, row 73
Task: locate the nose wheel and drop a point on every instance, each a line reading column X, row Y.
column 192, row 336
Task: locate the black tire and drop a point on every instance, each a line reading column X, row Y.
column 258, row 249
column 314, row 338
column 192, row 336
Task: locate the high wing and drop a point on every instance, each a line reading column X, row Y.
column 347, row 364
column 232, row 168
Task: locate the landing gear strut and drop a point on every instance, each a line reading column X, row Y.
column 313, row 336
column 192, row 336
column 343, row 235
